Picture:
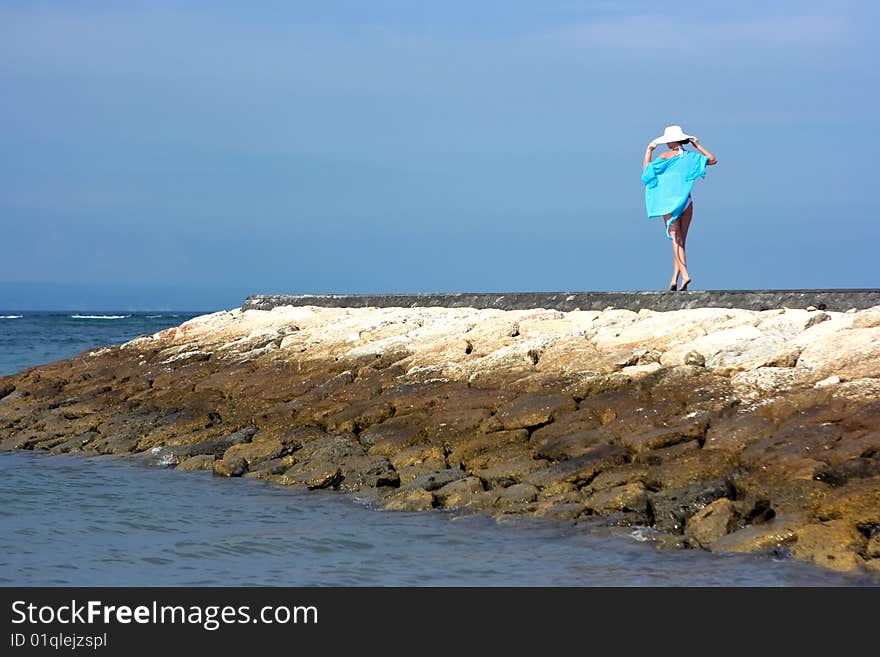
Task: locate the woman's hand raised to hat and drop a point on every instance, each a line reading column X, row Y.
column 694, row 141
column 652, row 145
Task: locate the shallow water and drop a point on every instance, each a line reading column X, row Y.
column 114, row 521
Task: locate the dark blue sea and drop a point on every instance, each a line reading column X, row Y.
column 35, row 338
column 118, row 521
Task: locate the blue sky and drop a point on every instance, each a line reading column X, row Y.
column 183, row 155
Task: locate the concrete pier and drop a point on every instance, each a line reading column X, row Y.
column 834, row 300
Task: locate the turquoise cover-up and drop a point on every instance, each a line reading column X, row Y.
column 668, row 184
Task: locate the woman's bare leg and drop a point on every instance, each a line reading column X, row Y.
column 673, row 228
column 685, row 223
column 678, row 232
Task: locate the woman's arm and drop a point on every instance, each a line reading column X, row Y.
column 648, row 153
column 698, row 146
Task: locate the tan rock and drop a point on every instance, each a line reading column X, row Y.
column 708, row 525
column 628, row 497
column 779, row 532
column 504, row 471
column 419, row 455
column 518, row 494
column 834, row 545
column 734, row 431
column 408, row 499
column 857, row 502
column 557, row 448
column 869, row 318
column 848, row 354
column 742, row 347
column 579, row 470
column 656, row 437
column 468, row 451
column 619, row 476
column 534, row 409
column 200, row 462
column 459, row 493
column 769, row 381
column 257, row 452
column 232, row 467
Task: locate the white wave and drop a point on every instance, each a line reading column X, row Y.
column 100, row 316
column 153, row 316
column 11, row 316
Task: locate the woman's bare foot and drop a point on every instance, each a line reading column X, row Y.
column 684, row 285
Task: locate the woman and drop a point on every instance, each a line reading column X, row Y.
column 668, row 182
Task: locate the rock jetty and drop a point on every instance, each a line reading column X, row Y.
column 724, row 429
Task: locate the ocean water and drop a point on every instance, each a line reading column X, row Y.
column 35, row 338
column 118, row 521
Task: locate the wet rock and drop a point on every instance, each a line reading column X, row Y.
column 256, row 453
column 408, row 499
column 775, row 534
column 560, row 510
column 839, row 474
column 708, row 525
column 518, row 494
column 367, row 472
column 217, row 445
column 672, row 508
column 271, row 469
column 201, row 462
column 411, row 472
column 459, row 493
column 76, row 443
column 232, row 467
column 310, row 476
column 436, row 480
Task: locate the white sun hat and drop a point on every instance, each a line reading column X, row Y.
column 670, row 134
